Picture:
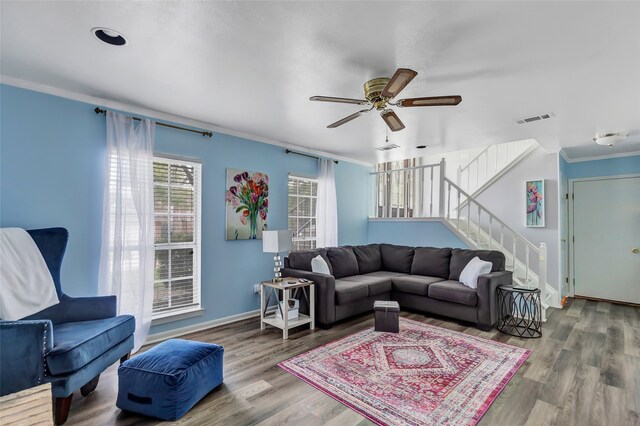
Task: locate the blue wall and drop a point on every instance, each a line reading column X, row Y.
column 606, row 167
column 426, row 233
column 52, row 153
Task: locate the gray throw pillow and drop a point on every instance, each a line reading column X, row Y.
column 369, row 258
column 396, row 258
column 343, row 261
column 431, row 262
column 460, row 258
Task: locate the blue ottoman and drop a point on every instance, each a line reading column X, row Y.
column 168, row 379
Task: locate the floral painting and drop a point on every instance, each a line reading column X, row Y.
column 247, row 204
column 535, row 203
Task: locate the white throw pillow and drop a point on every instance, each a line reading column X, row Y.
column 318, row 264
column 471, row 272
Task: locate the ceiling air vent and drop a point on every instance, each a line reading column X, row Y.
column 388, row 147
column 535, row 118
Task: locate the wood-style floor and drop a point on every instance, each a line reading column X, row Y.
column 585, row 370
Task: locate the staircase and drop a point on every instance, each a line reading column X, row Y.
column 425, row 191
column 491, row 163
column 481, row 229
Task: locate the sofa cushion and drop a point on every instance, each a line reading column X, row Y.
column 350, row 291
column 396, row 258
column 385, row 274
column 343, row 261
column 376, row 285
column 460, row 258
column 369, row 258
column 78, row 343
column 415, row 284
column 454, row 291
column 301, row 259
column 432, row 262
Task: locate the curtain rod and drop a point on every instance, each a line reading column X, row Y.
column 98, row 110
column 288, row 151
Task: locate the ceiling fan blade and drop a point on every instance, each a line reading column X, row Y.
column 399, row 81
column 392, row 120
column 339, row 100
column 348, row 118
column 430, row 101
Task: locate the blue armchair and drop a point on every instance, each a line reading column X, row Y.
column 68, row 344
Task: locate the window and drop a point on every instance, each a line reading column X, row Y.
column 396, row 191
column 177, row 198
column 303, row 193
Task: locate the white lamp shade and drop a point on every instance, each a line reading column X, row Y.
column 276, row 241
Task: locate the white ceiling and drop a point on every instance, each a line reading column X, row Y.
column 251, row 67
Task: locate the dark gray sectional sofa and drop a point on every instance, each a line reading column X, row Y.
column 419, row 278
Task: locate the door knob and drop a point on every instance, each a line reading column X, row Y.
column 635, row 250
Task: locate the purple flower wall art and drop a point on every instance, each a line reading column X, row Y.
column 246, row 199
column 535, row 203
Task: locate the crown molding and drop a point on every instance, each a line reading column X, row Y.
column 151, row 113
column 599, row 157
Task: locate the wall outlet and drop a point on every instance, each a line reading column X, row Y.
column 256, row 289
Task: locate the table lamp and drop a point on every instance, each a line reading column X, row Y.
column 277, row 242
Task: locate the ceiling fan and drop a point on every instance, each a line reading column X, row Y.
column 379, row 92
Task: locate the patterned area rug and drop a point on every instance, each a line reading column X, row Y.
column 424, row 375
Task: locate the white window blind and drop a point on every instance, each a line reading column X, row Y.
column 303, row 194
column 177, row 201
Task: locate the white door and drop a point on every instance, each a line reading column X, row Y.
column 606, row 228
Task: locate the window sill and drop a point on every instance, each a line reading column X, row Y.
column 177, row 316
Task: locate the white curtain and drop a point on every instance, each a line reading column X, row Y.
column 326, row 206
column 127, row 256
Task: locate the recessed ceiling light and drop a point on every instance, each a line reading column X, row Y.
column 421, row 146
column 109, row 36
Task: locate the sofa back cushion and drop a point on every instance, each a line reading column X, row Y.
column 432, row 262
column 343, row 261
column 396, row 258
column 301, row 259
column 369, row 258
column 460, row 258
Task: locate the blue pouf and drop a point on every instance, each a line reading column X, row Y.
column 168, row 379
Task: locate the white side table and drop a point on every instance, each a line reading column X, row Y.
column 269, row 289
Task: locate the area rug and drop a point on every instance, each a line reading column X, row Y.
column 424, row 375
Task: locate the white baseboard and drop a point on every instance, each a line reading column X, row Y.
column 165, row 335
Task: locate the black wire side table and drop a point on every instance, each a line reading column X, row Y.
column 519, row 311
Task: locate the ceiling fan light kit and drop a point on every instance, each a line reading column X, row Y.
column 378, row 93
column 610, row 139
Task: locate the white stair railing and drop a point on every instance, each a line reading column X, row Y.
column 409, row 192
column 490, row 162
column 486, row 231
